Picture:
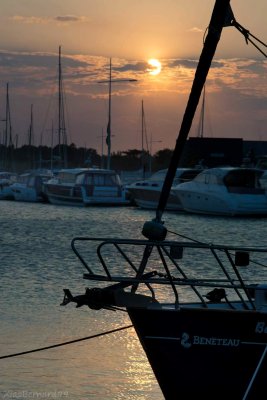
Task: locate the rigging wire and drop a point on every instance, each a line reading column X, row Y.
column 66, row 343
column 231, row 21
column 246, row 33
column 185, row 237
column 199, row 242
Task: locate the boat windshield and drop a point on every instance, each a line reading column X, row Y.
column 102, row 179
column 208, row 177
column 158, row 176
column 106, row 180
column 243, row 178
column 187, row 175
column 67, row 177
column 23, row 178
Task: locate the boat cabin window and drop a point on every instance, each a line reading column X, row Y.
column 202, row 178
column 188, row 175
column 66, row 177
column 99, row 180
column 207, row 178
column 105, row 180
column 23, row 179
column 158, row 176
column 243, row 178
column 31, row 181
column 80, row 179
column 88, row 180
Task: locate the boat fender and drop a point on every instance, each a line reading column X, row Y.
column 176, row 252
column 261, row 297
column 241, row 258
column 154, row 230
column 216, row 295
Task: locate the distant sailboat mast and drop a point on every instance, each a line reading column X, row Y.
column 202, row 114
column 31, row 128
column 8, row 130
column 144, row 136
column 108, row 140
column 8, row 144
column 62, row 139
column 30, row 141
column 110, row 81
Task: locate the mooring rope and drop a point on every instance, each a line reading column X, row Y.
column 66, row 343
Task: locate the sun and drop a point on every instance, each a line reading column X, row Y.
column 154, row 66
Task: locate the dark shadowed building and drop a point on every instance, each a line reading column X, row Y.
column 212, row 152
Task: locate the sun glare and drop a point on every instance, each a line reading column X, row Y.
column 154, row 66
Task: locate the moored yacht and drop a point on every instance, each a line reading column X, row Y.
column 6, row 180
column 30, row 186
column 146, row 193
column 224, row 191
column 86, row 186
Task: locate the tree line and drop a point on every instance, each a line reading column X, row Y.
column 29, row 157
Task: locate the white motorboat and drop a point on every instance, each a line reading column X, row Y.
column 224, row 191
column 6, row 180
column 30, row 186
column 146, row 193
column 86, row 186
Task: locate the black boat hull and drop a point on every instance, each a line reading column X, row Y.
column 214, row 354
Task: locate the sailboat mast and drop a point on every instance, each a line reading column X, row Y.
column 30, row 141
column 31, row 127
column 109, row 117
column 202, row 114
column 110, row 81
column 59, row 96
column 8, row 129
column 62, row 137
column 8, row 142
column 143, row 153
column 52, row 143
column 6, row 119
column 59, row 102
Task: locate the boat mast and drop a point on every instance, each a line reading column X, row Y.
column 110, row 81
column 31, row 127
column 8, row 144
column 218, row 18
column 62, row 141
column 143, row 132
column 30, row 140
column 142, row 138
column 109, row 117
column 146, row 154
column 59, row 100
column 202, row 114
column 51, row 150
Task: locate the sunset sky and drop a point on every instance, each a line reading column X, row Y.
column 130, row 32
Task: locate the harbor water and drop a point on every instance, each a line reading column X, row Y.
column 37, row 263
